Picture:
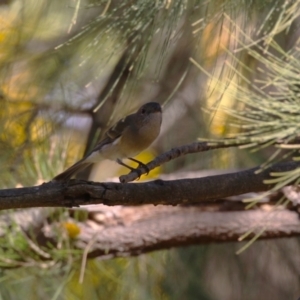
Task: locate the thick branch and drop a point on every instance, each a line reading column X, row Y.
column 127, row 231
column 132, row 231
column 184, row 191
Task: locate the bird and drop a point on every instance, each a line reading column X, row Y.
column 127, row 138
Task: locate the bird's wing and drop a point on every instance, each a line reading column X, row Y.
column 114, row 132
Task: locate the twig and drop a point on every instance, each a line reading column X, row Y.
column 175, row 153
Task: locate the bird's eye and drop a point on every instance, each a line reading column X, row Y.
column 143, row 111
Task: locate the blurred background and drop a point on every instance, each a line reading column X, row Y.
column 71, row 69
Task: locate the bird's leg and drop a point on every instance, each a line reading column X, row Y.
column 119, row 161
column 140, row 164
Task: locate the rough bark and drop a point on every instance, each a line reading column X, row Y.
column 110, row 232
column 173, row 192
column 129, row 231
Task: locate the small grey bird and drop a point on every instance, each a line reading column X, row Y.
column 128, row 137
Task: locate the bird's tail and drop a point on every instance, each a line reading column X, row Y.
column 66, row 175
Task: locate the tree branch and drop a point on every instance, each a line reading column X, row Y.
column 132, row 232
column 175, row 153
column 127, row 231
column 173, row 192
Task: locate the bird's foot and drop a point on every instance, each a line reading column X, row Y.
column 140, row 164
column 139, row 172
